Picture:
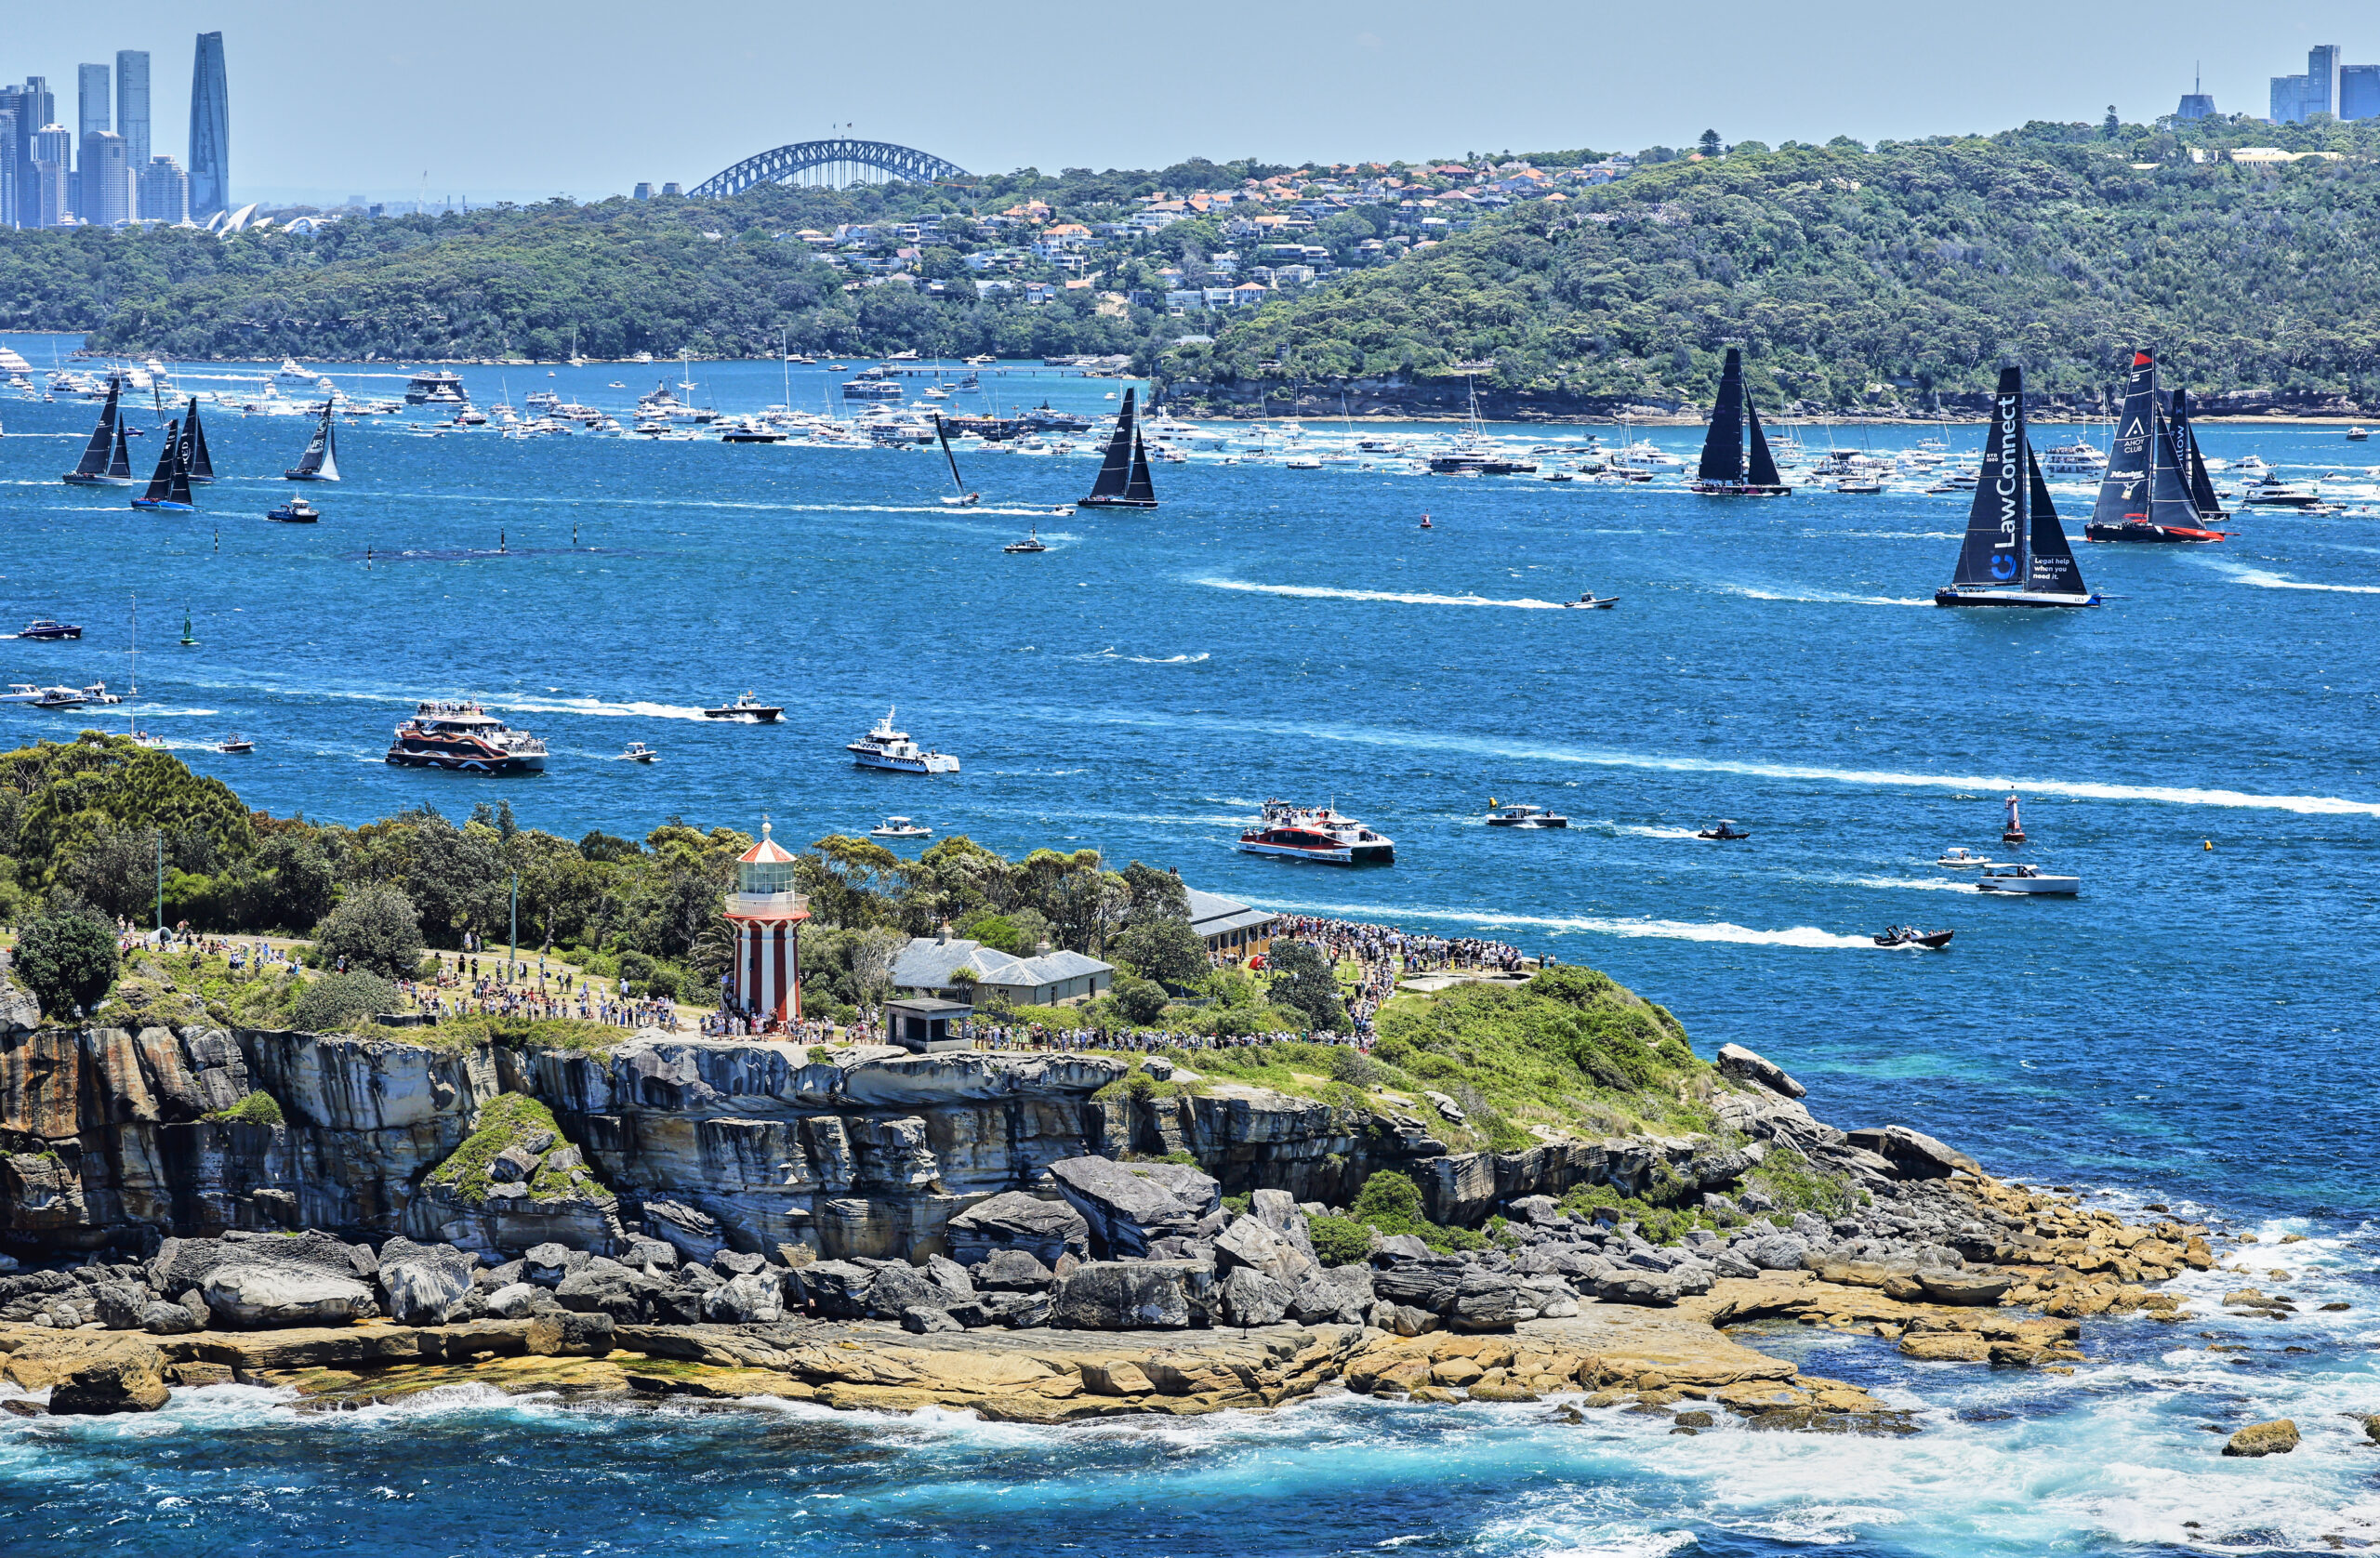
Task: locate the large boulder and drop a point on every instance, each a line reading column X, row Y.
column 1745, row 1066
column 1278, row 1210
column 604, row 1286
column 1654, row 1290
column 1251, row 1243
column 121, row 1303
column 1775, row 1252
column 1130, row 1296
column 1130, row 1206
column 2278, row 1437
column 251, row 1294
column 423, row 1283
column 1012, row 1270
column 1249, row 1298
column 755, row 1297
column 160, row 1318
column 182, row 1264
column 898, row 1287
column 1338, row 1295
column 1912, row 1153
column 695, row 1234
column 121, row 1376
column 838, row 1289
column 1014, row 1221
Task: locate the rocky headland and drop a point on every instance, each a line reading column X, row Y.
column 1016, row 1235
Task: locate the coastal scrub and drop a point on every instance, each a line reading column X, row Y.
column 517, row 1122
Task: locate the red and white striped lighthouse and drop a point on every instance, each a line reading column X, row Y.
column 767, row 915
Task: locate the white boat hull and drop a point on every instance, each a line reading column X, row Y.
column 1343, row 855
column 932, row 762
column 2038, row 887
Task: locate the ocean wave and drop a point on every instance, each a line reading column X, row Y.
column 1665, row 929
column 1416, row 598
column 2266, row 579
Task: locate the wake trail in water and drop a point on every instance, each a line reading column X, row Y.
column 1145, row 659
column 1808, row 936
column 1934, row 885
column 1819, row 597
column 1321, row 592
column 2266, row 579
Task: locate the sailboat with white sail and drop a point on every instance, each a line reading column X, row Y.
column 963, row 499
column 2015, row 553
column 320, row 462
column 1124, row 474
column 106, row 462
column 2156, row 488
column 1725, row 471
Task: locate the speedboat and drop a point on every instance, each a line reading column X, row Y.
column 2273, row 493
column 21, row 692
column 1962, row 857
column 296, row 511
column 1318, row 833
column 235, row 744
column 899, row 827
column 98, row 694
column 1032, row 542
column 885, row 748
column 2357, row 435
column 60, row 698
column 639, row 752
column 748, row 708
column 2028, row 879
column 1522, row 817
column 45, row 628
column 1589, row 600
column 1909, row 935
column 1726, row 829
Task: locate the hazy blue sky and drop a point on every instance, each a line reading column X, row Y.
column 520, row 97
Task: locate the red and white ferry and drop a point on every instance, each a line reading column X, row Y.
column 1316, row 833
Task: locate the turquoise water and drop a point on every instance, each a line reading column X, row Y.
column 2188, row 1031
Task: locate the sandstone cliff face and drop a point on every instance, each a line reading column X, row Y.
column 850, row 1151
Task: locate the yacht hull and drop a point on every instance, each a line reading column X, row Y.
column 932, row 763
column 2008, row 598
column 1331, row 854
column 2154, row 534
column 467, row 763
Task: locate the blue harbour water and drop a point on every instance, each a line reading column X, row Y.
column 2191, row 1030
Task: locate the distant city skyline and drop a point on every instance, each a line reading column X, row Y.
column 433, row 100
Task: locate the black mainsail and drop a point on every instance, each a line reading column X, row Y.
column 194, row 459
column 2123, row 491
column 320, row 462
column 2151, row 490
column 169, row 485
column 106, row 439
column 1124, row 473
column 1723, row 471
column 1722, row 445
column 2185, row 445
column 943, row 432
column 2015, row 552
column 120, row 458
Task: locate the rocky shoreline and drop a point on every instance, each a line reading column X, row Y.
column 1098, row 1285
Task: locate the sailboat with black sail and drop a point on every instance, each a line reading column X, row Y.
column 105, row 462
column 2014, row 553
column 1725, row 470
column 169, row 485
column 964, row 499
column 195, row 462
column 1124, row 473
column 320, row 462
column 2146, row 495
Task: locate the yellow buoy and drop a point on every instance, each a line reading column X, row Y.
column 2210, row 843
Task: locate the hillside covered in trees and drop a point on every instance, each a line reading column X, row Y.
column 1854, row 276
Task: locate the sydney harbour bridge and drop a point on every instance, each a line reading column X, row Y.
column 832, row 164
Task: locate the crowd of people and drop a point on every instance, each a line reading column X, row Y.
column 1037, row 1036
column 469, row 987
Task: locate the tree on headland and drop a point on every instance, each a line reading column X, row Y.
column 1710, row 145
column 376, row 930
column 67, row 960
column 1304, row 981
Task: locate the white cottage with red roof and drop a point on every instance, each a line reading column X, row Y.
column 766, row 915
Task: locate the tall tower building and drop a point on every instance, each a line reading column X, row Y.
column 91, row 100
column 165, row 191
column 53, row 166
column 7, row 161
column 132, row 104
column 210, row 130
column 33, row 108
column 106, row 181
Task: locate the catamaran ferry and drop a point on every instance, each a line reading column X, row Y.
column 1316, row 833
column 467, row 739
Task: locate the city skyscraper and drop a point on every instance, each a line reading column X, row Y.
column 91, row 100
column 105, row 182
column 165, row 191
column 210, row 130
column 32, row 108
column 2328, row 86
column 7, row 161
column 53, row 166
column 132, row 104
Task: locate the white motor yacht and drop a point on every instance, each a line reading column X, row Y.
column 899, row 827
column 2028, row 879
column 1500, row 815
column 1962, row 858
column 2077, row 458
column 886, row 748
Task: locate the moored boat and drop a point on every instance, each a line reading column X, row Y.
column 463, row 738
column 2014, row 553
column 1316, row 833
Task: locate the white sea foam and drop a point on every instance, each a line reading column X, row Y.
column 2266, row 579
column 1319, row 592
column 1819, row 597
column 1932, row 885
column 1110, row 654
column 1665, row 929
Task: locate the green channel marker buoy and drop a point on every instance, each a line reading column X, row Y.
column 186, row 633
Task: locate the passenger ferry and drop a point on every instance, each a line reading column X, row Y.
column 2077, row 458
column 435, row 388
column 888, row 748
column 1316, row 833
column 464, row 738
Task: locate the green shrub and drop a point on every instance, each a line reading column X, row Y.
column 1796, row 1186
column 376, row 930
column 337, row 1001
column 1390, row 1202
column 1338, row 1241
column 67, row 960
column 503, row 1121
column 1142, row 1001
column 258, row 1108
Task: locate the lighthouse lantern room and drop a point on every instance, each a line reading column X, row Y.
column 767, row 914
